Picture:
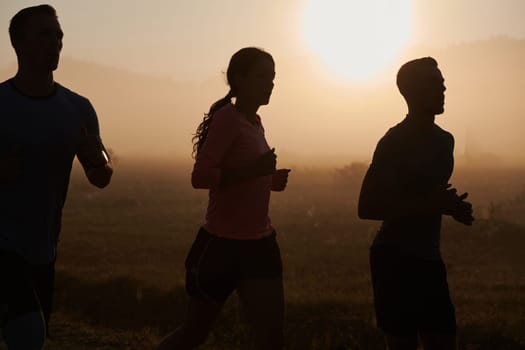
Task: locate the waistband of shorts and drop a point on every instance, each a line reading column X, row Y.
column 203, row 231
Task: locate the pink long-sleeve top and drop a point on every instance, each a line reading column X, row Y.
column 240, row 210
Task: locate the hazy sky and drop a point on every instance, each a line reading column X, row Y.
column 335, row 62
column 194, row 38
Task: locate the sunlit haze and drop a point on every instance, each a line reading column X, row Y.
column 358, row 40
column 152, row 68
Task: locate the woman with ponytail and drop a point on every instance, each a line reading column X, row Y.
column 236, row 248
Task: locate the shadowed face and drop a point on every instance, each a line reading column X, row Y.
column 40, row 46
column 256, row 86
column 432, row 92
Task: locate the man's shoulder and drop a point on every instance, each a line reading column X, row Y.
column 445, row 137
column 389, row 144
column 441, row 132
column 71, row 95
column 392, row 136
column 5, row 87
column 74, row 99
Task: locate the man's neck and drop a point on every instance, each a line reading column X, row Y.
column 34, row 84
column 421, row 119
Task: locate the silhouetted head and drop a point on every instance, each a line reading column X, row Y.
column 422, row 85
column 250, row 76
column 36, row 37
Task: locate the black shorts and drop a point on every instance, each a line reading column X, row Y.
column 215, row 265
column 24, row 288
column 411, row 295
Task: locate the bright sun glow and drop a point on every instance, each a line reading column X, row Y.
column 358, row 39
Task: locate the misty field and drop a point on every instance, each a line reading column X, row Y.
column 120, row 275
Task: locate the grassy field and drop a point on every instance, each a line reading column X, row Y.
column 120, row 279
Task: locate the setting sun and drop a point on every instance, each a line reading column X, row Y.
column 357, row 40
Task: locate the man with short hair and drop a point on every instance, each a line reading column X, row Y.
column 43, row 125
column 406, row 186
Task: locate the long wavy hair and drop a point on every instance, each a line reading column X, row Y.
column 240, row 64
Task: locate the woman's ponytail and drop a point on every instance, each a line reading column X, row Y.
column 202, row 130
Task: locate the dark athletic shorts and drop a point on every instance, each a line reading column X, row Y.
column 24, row 288
column 215, row 265
column 411, row 295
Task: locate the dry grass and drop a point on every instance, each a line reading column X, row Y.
column 120, row 282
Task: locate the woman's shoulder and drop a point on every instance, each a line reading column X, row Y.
column 227, row 114
column 228, row 110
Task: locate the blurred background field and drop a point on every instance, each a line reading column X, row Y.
column 151, row 69
column 120, row 274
